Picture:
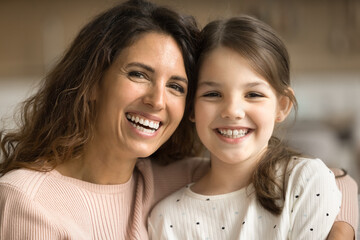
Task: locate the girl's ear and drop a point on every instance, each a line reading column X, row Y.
column 192, row 117
column 285, row 106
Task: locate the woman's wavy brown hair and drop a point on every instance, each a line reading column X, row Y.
column 58, row 120
column 266, row 53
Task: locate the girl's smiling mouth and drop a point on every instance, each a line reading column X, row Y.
column 232, row 133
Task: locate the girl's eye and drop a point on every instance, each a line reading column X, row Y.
column 254, row 95
column 212, row 94
column 177, row 87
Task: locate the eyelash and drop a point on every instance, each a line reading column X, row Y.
column 137, row 74
column 177, row 87
column 212, row 94
column 249, row 95
column 254, row 95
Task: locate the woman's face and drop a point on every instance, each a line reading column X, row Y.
column 141, row 98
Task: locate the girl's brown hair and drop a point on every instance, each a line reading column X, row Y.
column 58, row 120
column 266, row 53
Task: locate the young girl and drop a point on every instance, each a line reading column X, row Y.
column 257, row 188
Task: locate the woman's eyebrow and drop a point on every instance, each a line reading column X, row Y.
column 179, row 78
column 141, row 65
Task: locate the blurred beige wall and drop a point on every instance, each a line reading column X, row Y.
column 322, row 35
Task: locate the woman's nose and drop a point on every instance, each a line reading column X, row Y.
column 155, row 96
column 233, row 109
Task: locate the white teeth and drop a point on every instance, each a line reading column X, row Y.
column 145, row 122
column 233, row 133
column 145, row 130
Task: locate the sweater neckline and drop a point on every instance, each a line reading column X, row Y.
column 236, row 193
column 96, row 188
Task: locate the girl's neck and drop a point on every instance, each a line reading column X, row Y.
column 224, row 178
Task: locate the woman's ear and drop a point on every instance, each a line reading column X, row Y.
column 94, row 93
column 284, row 107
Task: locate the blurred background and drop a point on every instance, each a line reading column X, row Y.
column 322, row 37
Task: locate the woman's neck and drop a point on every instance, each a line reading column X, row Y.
column 99, row 167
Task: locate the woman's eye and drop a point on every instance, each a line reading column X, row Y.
column 211, row 94
column 177, row 87
column 136, row 74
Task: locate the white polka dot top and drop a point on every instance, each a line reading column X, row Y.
column 311, row 205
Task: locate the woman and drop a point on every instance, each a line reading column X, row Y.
column 77, row 166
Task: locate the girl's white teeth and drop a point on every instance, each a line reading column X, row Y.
column 233, row 133
column 145, row 122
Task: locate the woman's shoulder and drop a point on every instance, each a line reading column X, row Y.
column 20, row 187
column 193, row 166
column 24, row 180
column 173, row 176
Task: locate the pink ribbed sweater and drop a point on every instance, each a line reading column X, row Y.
column 37, row 205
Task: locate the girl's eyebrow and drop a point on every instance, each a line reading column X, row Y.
column 152, row 70
column 209, row 83
column 258, row 83
column 250, row 84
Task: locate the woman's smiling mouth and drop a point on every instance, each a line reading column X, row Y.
column 143, row 124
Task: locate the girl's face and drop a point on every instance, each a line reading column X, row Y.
column 235, row 108
column 141, row 99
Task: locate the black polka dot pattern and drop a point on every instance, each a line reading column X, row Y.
column 223, row 218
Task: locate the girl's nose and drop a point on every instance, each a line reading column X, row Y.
column 155, row 96
column 233, row 110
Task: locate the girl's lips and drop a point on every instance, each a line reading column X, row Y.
column 233, row 135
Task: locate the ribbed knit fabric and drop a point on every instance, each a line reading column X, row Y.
column 349, row 207
column 311, row 204
column 35, row 205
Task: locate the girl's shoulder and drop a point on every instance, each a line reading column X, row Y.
column 306, row 172
column 307, row 166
